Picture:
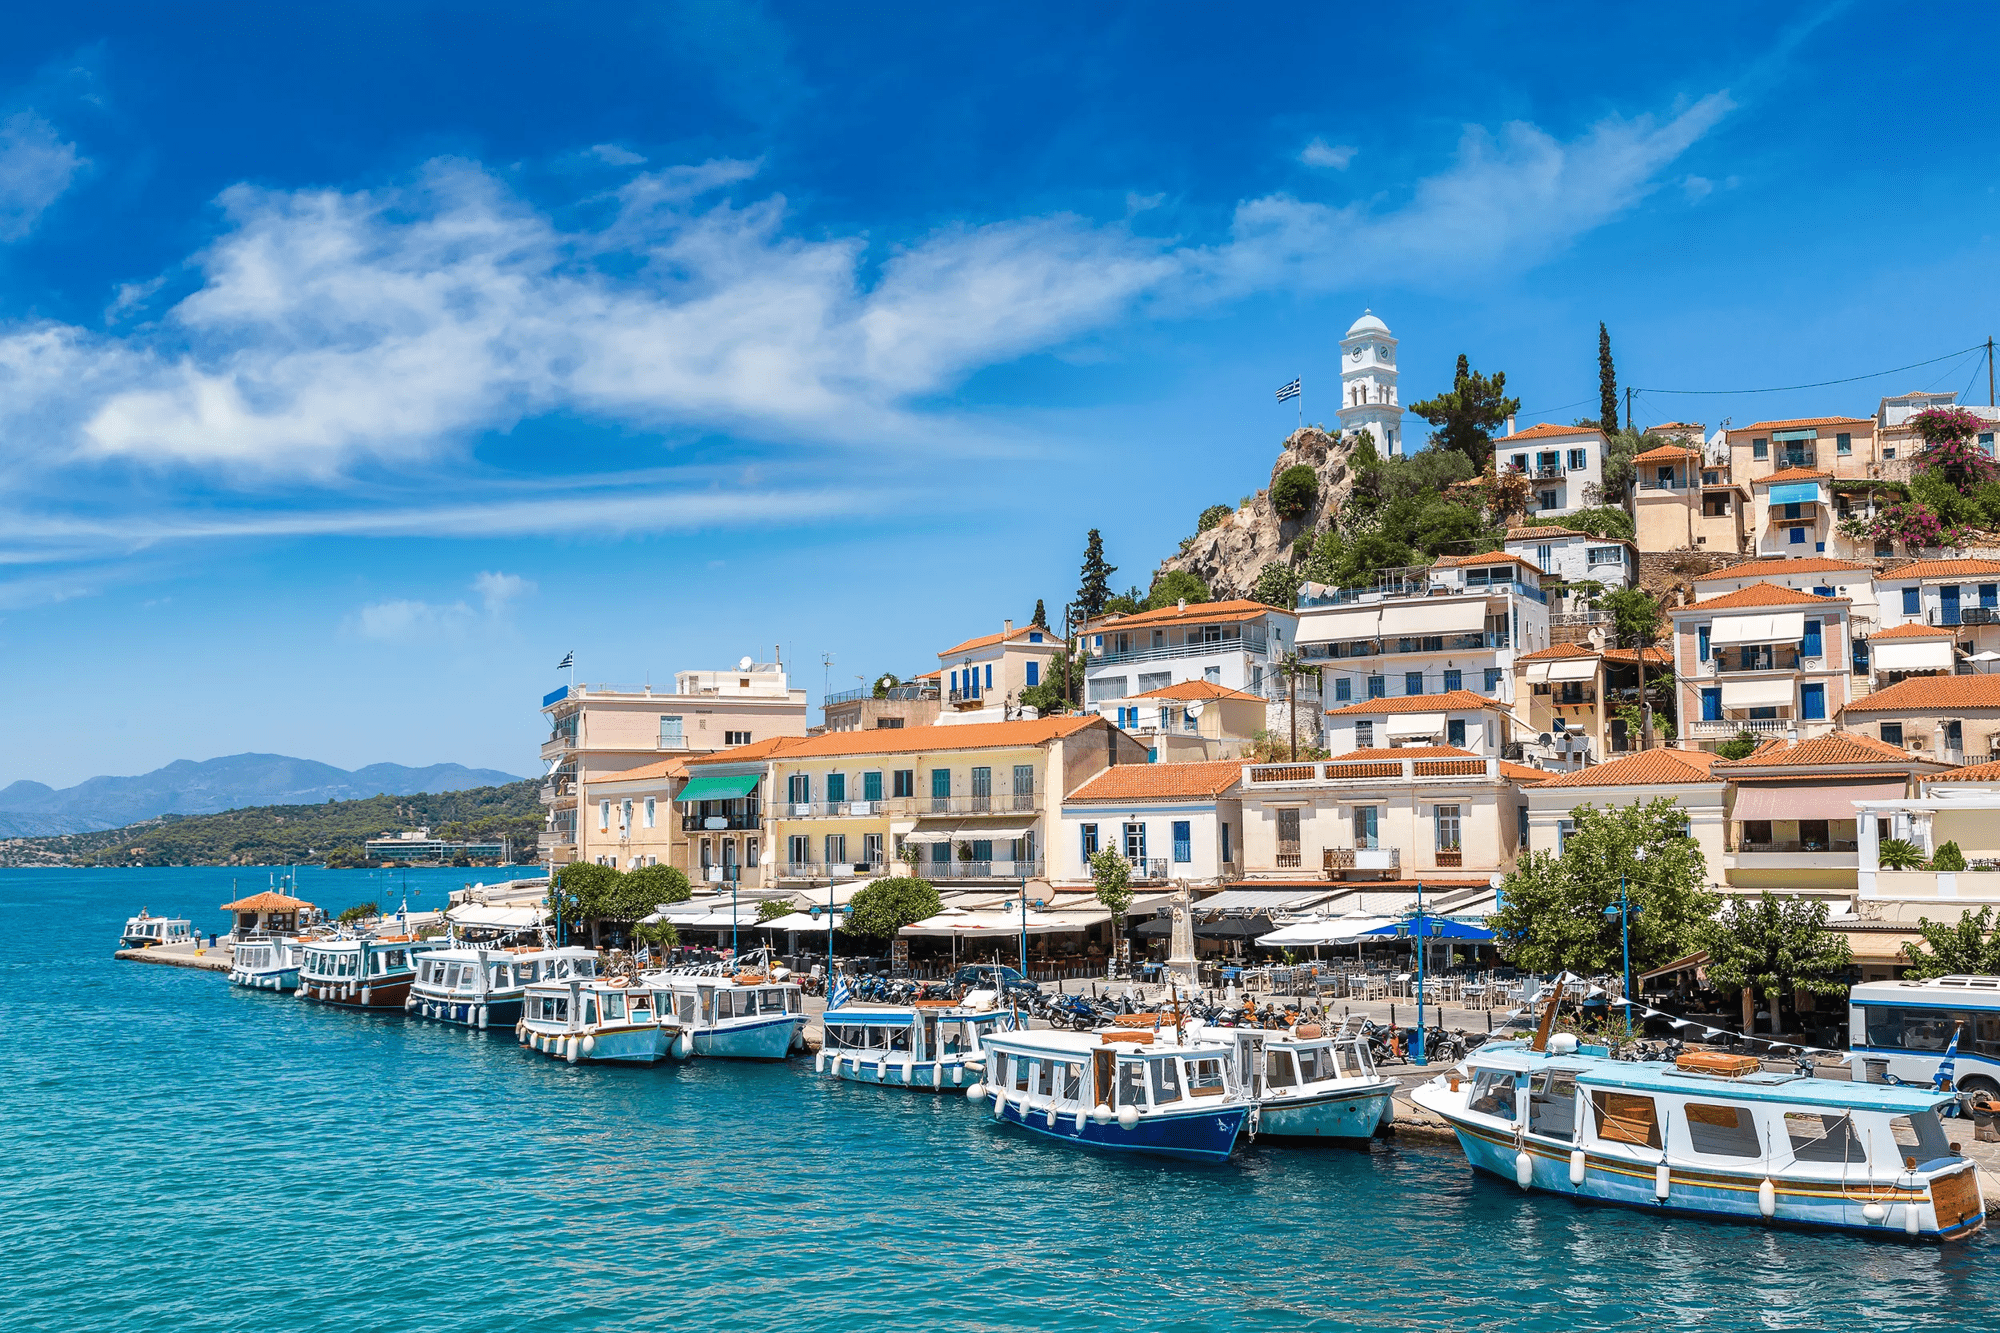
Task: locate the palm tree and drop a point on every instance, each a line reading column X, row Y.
column 1291, row 668
column 1900, row 854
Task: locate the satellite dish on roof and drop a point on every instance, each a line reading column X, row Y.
column 746, row 664
column 1194, row 709
column 1546, row 739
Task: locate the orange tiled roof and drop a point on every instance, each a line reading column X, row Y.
column 1668, row 453
column 1536, row 534
column 1450, row 701
column 1547, row 431
column 1915, row 631
column 1407, row 752
column 1647, row 768
column 1196, row 689
column 1656, row 655
column 1799, row 423
column 988, row 640
column 1791, row 474
column 923, row 740
column 1679, row 425
column 1945, row 693
column 1454, row 561
column 1817, row 564
column 665, row 768
column 1555, row 652
column 266, row 901
column 763, row 749
column 1758, row 594
column 1196, row 613
column 1944, row 569
column 1143, row 782
column 1836, row 747
column 1970, row 773
column 1519, row 772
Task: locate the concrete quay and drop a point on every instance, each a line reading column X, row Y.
column 186, row 954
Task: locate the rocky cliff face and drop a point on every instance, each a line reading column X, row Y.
column 1229, row 556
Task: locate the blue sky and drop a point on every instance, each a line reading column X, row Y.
column 356, row 364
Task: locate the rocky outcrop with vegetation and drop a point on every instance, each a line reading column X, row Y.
column 1229, row 555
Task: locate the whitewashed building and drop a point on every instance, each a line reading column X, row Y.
column 1235, row 645
column 1560, row 462
column 1368, row 398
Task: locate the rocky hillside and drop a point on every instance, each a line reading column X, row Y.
column 1229, row 556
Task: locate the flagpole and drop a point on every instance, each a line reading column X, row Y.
column 1302, row 402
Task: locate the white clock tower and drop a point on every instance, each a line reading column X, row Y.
column 1368, row 384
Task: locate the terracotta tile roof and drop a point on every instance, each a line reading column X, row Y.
column 1196, row 689
column 1658, row 656
column 1944, row 693
column 1944, row 569
column 665, row 768
column 1758, row 594
column 266, row 901
column 1160, row 782
column 1679, row 425
column 1450, row 701
column 1196, row 613
column 1799, row 423
column 1547, row 431
column 988, row 640
column 1537, row 534
column 1520, row 772
column 939, row 740
column 1647, row 768
column 1668, row 453
column 1915, row 631
column 1556, row 652
column 1970, row 773
column 763, row 749
column 1791, row 474
column 1817, row 564
column 1837, row 747
column 1490, row 557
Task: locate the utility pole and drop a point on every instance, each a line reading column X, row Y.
column 1628, row 409
column 1989, row 373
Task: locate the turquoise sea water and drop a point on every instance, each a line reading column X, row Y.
column 180, row 1154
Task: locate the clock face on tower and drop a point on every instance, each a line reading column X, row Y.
column 1382, row 352
column 1356, row 353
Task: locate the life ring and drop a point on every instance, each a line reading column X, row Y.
column 619, row 982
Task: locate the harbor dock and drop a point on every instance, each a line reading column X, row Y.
column 185, row 954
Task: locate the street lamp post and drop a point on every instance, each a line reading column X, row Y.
column 1420, row 935
column 1624, row 910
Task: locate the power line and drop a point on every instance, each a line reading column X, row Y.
column 1873, row 374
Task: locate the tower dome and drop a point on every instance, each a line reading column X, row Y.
column 1366, row 324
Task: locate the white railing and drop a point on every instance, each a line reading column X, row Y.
column 1756, row 726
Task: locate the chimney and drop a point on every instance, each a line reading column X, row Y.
column 1182, row 604
column 1006, row 627
column 1791, row 733
column 1510, row 423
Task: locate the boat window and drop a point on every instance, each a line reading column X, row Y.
column 614, row 1006
column 1552, row 1105
column 1132, row 1083
column 562, row 967
column 1920, row 1136
column 1314, row 1064
column 1493, row 1093
column 1821, row 1137
column 1072, row 1083
column 1205, row 1078
column 1166, row 1081
column 586, row 967
column 795, row 1001
column 1021, row 1068
column 1045, row 1078
column 642, row 1006
column 898, row 1038
column 1354, row 1062
column 395, row 957
column 590, row 1011
column 1623, row 1117
column 1722, row 1131
column 1278, row 1069
column 773, row 1002
column 451, row 977
column 523, row 973
column 687, row 1008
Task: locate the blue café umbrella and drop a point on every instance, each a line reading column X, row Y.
column 1435, row 928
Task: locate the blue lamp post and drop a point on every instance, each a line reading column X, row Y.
column 1422, row 929
column 1625, row 911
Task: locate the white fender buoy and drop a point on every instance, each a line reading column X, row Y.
column 1128, row 1117
column 366, row 991
column 1101, row 1114
column 589, row 1045
column 1052, row 1115
column 1662, row 1178
column 482, row 1016
column 1910, row 1223
column 1576, row 1165
column 575, row 1050
column 974, row 1091
column 683, row 1045
column 1000, row 1107
column 819, row 1062
column 1524, row 1169
column 1767, row 1198
column 909, row 1064
column 1080, row 1116
column 1874, row 1212
column 957, row 1074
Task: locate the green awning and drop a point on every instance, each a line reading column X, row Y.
column 719, row 789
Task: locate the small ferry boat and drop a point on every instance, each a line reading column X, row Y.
column 602, row 1020
column 483, row 985
column 145, row 929
column 361, row 971
column 738, row 1016
column 1307, row 1084
column 266, row 961
column 1712, row 1135
column 934, row 1046
column 1119, row 1090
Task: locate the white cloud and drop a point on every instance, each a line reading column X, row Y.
column 1320, row 153
column 496, row 589
column 1697, row 188
column 36, row 166
column 615, row 156
column 403, row 620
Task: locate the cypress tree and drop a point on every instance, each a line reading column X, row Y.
column 1607, row 383
column 1095, row 590
column 1041, row 614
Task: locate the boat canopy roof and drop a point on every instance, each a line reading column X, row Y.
column 1647, row 1076
column 1039, row 1041
column 894, row 1017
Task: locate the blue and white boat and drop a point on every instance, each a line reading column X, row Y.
column 933, row 1047
column 482, row 985
column 146, row 930
column 1118, row 1091
column 265, row 960
column 737, row 1016
column 602, row 1020
column 1781, row 1148
column 1309, row 1085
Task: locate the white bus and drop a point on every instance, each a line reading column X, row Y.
column 1900, row 1030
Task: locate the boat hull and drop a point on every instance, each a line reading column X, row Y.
column 953, row 1075
column 1196, row 1136
column 500, row 1011
column 758, row 1039
column 1340, row 1115
column 283, row 979
column 607, row 1046
column 387, row 994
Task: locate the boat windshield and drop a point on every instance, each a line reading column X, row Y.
column 1820, row 1136
column 1205, row 1078
column 1166, row 1081
column 1131, row 1083
column 1920, row 1137
column 1493, row 1093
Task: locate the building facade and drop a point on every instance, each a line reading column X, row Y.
column 1685, row 777
column 1561, row 463
column 1576, row 558
column 1949, row 719
column 1765, row 659
column 1232, row 645
column 1683, row 501
column 1368, row 395
column 982, row 679
column 1170, row 822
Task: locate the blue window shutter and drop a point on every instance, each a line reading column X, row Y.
column 1454, row 732
column 1812, row 645
column 1413, row 682
column 1343, row 690
column 1454, row 680
column 1492, row 679
column 1034, row 673
column 1701, row 643
column 989, row 677
column 1711, row 705
column 1910, row 606
column 1797, row 536
column 1822, row 592
column 1989, row 594
column 1812, row 701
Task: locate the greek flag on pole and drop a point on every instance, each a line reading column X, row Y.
column 569, row 660
column 841, row 994
column 1947, row 1070
column 1291, row 390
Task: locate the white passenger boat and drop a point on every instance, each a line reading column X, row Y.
column 1307, row 1084
column 934, row 1046
column 483, row 986
column 1120, row 1091
column 361, row 971
column 265, row 960
column 739, row 1016
column 145, row 929
column 602, row 1020
column 1775, row 1147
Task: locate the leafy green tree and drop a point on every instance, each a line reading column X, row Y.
column 1741, row 746
column 1095, row 589
column 660, row 934
column 1128, row 603
column 1277, row 585
column 585, row 892
column 1968, row 947
column 1051, row 695
column 1607, row 383
column 773, row 908
column 1894, row 853
column 1212, row 517
column 1295, row 492
column 1776, row 945
column 641, row 891
column 358, row 912
column 1554, row 912
column 1948, row 858
column 1041, row 614
column 883, row 684
column 1112, row 877
column 1467, row 416
column 1635, row 613
column 1173, row 586
column 887, row 905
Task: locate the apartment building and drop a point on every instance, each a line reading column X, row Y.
column 982, row 678
column 1837, row 446
column 1199, row 720
column 1764, row 659
column 1235, row 645
column 1458, row 624
column 1822, row 576
column 601, row 733
column 1794, row 513
column 1899, row 439
column 1685, row 777
column 1568, row 697
column 884, row 708
column 1465, row 721
column 1587, row 564
column 1680, row 501
column 1945, row 718
column 1560, row 462
column 721, row 815
column 1960, row 599
column 1171, row 822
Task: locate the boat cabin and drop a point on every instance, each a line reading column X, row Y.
column 921, row 1033
column 144, row 930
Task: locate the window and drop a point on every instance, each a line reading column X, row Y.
column 1723, row 1131
column 1034, row 674
column 1760, row 449
column 1889, row 453
column 940, row 853
column 798, row 849
column 1711, row 705
column 1454, row 680
column 888, row 724
column 1365, row 827
column 650, row 803
column 670, row 732
column 1089, row 841
column 1343, row 690
column 1623, row 1117
column 1135, row 842
column 1565, row 830
column 871, row 848
column 1378, row 687
column 836, row 788
column 1701, row 643
column 1548, row 499
column 1454, row 732
column 1578, row 458
column 798, row 788
column 1989, row 594
column 735, row 738
column 1102, row 689
column 1552, row 1105
column 1820, row 1137
column 749, row 853
column 1795, row 536
column 603, row 816
column 1910, row 604
column 1493, row 1093
column 1166, row 1081
column 1892, row 733
column 1183, row 841
column 906, row 782
column 1791, row 511
column 1447, row 828
column 871, row 786
column 1227, row 859
column 1813, row 644
column 1492, row 679
column 1605, row 555
column 940, row 788
column 836, row 848
column 1843, row 443
column 1521, row 462
column 1413, row 682
column 1364, row 735
column 989, row 675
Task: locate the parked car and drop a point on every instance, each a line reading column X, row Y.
column 993, row 977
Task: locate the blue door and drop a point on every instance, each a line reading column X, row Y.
column 1812, row 701
column 1183, row 841
column 1948, row 599
column 1811, row 646
column 1711, row 705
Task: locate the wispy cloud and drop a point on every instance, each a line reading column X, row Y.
column 1320, row 153
column 36, row 166
column 403, row 619
column 496, row 590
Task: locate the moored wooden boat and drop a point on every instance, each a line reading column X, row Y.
column 483, row 986
column 361, row 971
column 932, row 1047
column 1309, row 1085
column 602, row 1020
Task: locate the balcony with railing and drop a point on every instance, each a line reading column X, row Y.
column 896, row 805
column 1249, row 640
column 1336, row 859
column 721, row 823
column 1547, row 472
column 995, row 803
column 1725, row 728
column 892, row 692
column 562, row 742
column 835, row 871
column 1337, row 772
column 1951, row 617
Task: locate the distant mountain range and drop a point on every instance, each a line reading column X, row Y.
column 185, row 787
